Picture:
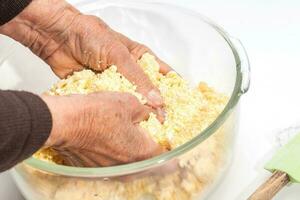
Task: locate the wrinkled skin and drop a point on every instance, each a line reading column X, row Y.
column 70, row 41
column 113, row 135
column 98, row 129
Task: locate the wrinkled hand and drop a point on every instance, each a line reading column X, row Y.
column 97, row 129
column 100, row 129
column 69, row 41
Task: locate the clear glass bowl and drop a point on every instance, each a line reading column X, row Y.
column 196, row 48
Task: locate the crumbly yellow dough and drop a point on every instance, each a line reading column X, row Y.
column 184, row 105
column 189, row 111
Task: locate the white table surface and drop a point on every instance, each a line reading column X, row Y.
column 270, row 32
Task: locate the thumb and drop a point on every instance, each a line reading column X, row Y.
column 146, row 147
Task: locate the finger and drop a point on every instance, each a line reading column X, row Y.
column 107, row 154
column 63, row 65
column 146, row 147
column 134, row 146
column 99, row 160
column 64, row 72
column 138, row 50
column 161, row 114
column 130, row 69
column 169, row 167
column 70, row 158
column 68, row 161
column 85, row 158
column 164, row 67
column 143, row 112
column 86, row 161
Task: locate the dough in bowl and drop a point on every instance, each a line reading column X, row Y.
column 189, row 111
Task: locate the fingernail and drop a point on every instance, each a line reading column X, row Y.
column 155, row 98
column 161, row 115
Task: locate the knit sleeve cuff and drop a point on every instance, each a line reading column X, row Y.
column 41, row 121
column 11, row 8
column 25, row 125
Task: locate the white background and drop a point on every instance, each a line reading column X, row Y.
column 270, row 31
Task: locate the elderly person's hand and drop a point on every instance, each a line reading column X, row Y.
column 96, row 129
column 69, row 41
column 100, row 129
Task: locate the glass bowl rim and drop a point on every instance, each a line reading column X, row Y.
column 135, row 167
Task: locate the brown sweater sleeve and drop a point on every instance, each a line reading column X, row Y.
column 25, row 124
column 11, row 8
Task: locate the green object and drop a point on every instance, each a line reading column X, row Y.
column 287, row 160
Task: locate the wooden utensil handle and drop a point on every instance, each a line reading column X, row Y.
column 271, row 187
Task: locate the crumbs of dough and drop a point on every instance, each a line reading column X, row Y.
column 189, row 111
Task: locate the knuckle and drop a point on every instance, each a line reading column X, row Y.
column 108, row 53
column 132, row 101
column 131, row 97
column 41, row 46
column 114, row 51
column 35, row 44
column 88, row 24
column 137, row 50
column 92, row 36
column 96, row 20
